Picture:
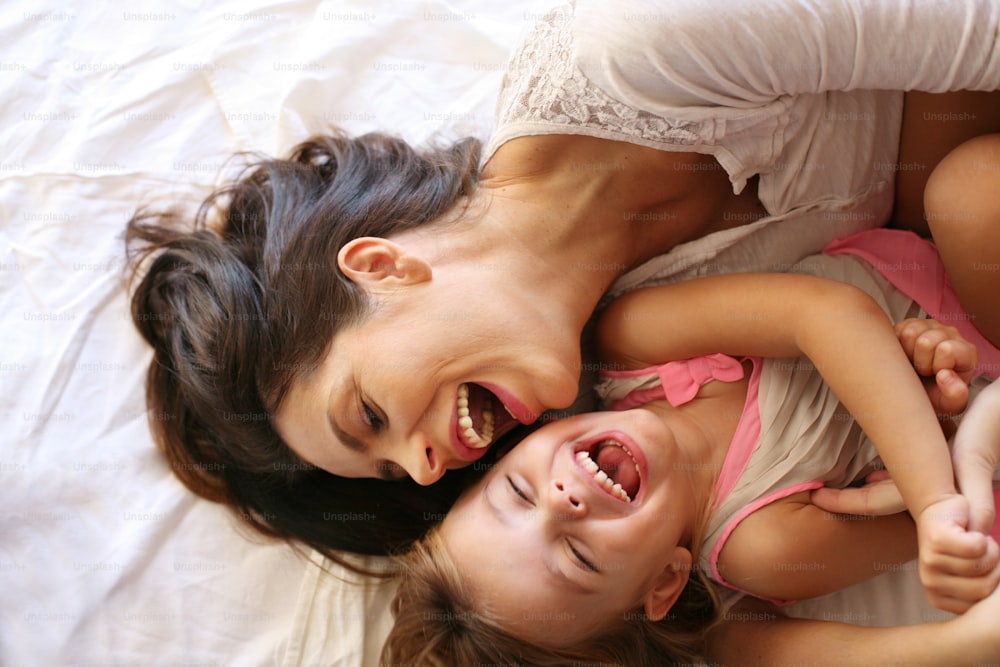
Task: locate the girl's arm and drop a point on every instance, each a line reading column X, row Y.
column 947, row 363
column 852, row 343
column 754, row 633
column 793, row 550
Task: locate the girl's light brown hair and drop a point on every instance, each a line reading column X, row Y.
column 437, row 623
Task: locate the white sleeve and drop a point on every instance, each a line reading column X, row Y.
column 742, row 53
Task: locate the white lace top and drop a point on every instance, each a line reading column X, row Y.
column 814, row 110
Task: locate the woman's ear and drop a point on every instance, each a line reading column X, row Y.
column 668, row 586
column 379, row 263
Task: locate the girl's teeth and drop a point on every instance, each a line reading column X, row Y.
column 588, row 464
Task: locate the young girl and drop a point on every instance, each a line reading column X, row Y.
column 585, row 534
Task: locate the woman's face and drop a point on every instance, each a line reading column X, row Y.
column 442, row 367
column 553, row 550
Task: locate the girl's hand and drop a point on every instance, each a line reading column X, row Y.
column 958, row 567
column 943, row 357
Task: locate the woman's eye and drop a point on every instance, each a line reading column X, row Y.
column 581, row 559
column 372, row 419
column 518, row 491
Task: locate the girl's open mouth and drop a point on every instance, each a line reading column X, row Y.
column 614, row 467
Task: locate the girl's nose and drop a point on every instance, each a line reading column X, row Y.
column 566, row 502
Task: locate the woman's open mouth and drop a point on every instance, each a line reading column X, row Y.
column 614, row 467
column 481, row 417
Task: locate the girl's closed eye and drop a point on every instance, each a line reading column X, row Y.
column 580, row 559
column 518, row 492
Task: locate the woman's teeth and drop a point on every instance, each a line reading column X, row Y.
column 588, row 464
column 467, row 430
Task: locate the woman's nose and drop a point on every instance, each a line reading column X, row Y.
column 423, row 464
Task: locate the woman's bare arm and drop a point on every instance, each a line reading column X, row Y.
column 756, row 633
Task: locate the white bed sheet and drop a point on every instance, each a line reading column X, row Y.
column 104, row 557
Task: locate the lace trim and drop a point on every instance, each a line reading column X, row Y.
column 544, row 86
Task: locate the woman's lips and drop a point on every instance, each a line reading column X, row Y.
column 463, row 451
column 514, row 407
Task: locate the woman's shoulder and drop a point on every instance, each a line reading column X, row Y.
column 538, row 153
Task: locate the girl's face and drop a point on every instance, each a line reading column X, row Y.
column 554, row 551
column 433, row 376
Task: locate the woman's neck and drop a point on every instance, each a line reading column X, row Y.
column 535, row 241
column 504, row 245
column 613, row 204
column 562, row 230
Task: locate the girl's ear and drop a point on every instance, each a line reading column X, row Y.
column 379, row 263
column 668, row 586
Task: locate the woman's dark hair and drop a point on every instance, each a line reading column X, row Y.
column 246, row 297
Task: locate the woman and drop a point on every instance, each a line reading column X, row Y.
column 369, row 311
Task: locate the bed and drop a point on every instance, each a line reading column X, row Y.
column 105, row 559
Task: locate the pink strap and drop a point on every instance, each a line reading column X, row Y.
column 713, row 557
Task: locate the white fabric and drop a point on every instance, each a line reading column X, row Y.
column 332, row 601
